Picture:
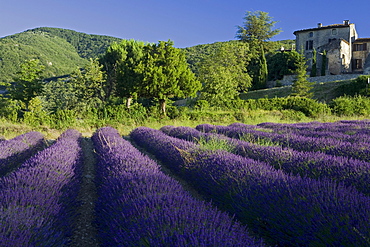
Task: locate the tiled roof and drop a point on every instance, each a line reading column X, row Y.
column 361, row 40
column 324, row 27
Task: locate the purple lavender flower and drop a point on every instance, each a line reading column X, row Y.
column 34, row 209
column 139, row 205
column 14, row 151
column 317, row 165
column 301, row 143
column 286, row 210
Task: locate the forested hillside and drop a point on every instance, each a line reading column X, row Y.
column 60, row 50
column 87, row 45
column 57, row 55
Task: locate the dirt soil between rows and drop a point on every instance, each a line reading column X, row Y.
column 85, row 230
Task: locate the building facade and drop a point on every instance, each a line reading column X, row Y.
column 345, row 52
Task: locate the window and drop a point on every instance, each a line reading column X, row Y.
column 360, row 47
column 310, row 35
column 309, row 45
column 334, row 32
column 330, row 40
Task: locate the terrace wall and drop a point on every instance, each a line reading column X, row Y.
column 288, row 79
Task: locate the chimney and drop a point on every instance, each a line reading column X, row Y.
column 319, row 25
column 346, row 22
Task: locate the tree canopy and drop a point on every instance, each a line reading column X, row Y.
column 256, row 31
column 165, row 73
column 128, row 78
column 28, row 82
column 224, row 74
column 257, row 26
column 282, row 63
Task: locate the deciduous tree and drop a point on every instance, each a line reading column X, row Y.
column 120, row 62
column 282, row 63
column 224, row 74
column 111, row 61
column 89, row 82
column 128, row 79
column 27, row 83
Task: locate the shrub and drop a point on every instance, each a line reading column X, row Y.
column 63, row 119
column 357, row 86
column 349, row 106
column 310, row 107
column 201, row 104
column 293, row 115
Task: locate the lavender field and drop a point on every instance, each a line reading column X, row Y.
column 303, row 184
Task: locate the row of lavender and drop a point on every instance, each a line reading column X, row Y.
column 38, row 197
column 331, row 146
column 139, row 205
column 16, row 150
column 316, row 165
column 285, row 210
column 349, row 131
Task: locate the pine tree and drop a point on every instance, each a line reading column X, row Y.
column 301, row 86
column 165, row 73
column 257, row 29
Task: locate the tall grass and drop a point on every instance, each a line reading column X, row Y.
column 87, row 126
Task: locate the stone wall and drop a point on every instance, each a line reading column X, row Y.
column 288, row 79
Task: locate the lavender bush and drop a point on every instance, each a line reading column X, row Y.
column 301, row 143
column 356, row 131
column 139, row 205
column 286, row 210
column 37, row 200
column 317, row 165
column 14, row 151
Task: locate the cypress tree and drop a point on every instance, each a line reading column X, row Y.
column 263, row 70
column 314, row 64
column 324, row 63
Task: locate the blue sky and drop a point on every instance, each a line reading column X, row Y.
column 186, row 22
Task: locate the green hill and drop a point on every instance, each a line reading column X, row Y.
column 86, row 45
column 57, row 55
column 60, row 50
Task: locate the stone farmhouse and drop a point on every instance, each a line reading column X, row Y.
column 346, row 53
